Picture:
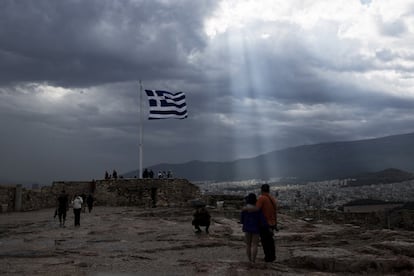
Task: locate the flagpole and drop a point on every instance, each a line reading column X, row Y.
column 140, row 130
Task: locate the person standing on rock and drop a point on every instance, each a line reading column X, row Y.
column 63, row 206
column 252, row 222
column 268, row 205
column 89, row 201
column 114, row 174
column 77, row 207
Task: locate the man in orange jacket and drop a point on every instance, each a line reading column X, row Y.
column 268, row 205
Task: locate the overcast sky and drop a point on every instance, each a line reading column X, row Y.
column 258, row 76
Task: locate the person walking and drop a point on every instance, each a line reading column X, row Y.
column 268, row 205
column 63, row 206
column 252, row 222
column 77, row 207
column 114, row 174
column 83, row 200
column 89, row 202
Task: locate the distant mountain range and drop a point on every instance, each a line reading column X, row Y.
column 310, row 162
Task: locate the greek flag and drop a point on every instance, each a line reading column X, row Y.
column 164, row 105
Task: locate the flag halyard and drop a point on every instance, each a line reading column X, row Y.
column 165, row 105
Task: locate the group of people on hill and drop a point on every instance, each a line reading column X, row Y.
column 164, row 174
column 259, row 220
column 114, row 175
column 147, row 174
column 161, row 174
column 77, row 204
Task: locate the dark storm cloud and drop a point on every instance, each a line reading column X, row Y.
column 53, row 133
column 73, row 110
column 69, row 95
column 82, row 43
column 290, row 70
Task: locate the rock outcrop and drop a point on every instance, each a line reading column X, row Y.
column 130, row 240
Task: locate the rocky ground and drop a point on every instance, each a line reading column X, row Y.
column 161, row 241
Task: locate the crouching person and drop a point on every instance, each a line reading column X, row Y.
column 201, row 217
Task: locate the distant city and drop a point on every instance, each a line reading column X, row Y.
column 329, row 194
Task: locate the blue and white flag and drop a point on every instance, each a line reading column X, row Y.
column 164, row 105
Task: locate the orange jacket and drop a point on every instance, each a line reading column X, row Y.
column 268, row 205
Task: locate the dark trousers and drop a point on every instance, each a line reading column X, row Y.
column 62, row 215
column 198, row 223
column 77, row 212
column 268, row 244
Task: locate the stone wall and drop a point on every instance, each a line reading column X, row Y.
column 120, row 192
column 145, row 192
column 7, row 195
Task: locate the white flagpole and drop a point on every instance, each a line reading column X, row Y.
column 140, row 130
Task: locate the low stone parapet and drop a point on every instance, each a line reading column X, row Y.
column 112, row 192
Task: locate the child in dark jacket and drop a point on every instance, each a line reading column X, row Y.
column 252, row 221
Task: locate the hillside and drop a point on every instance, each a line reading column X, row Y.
column 310, row 162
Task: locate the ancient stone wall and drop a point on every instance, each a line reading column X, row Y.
column 120, row 192
column 145, row 192
column 7, row 195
